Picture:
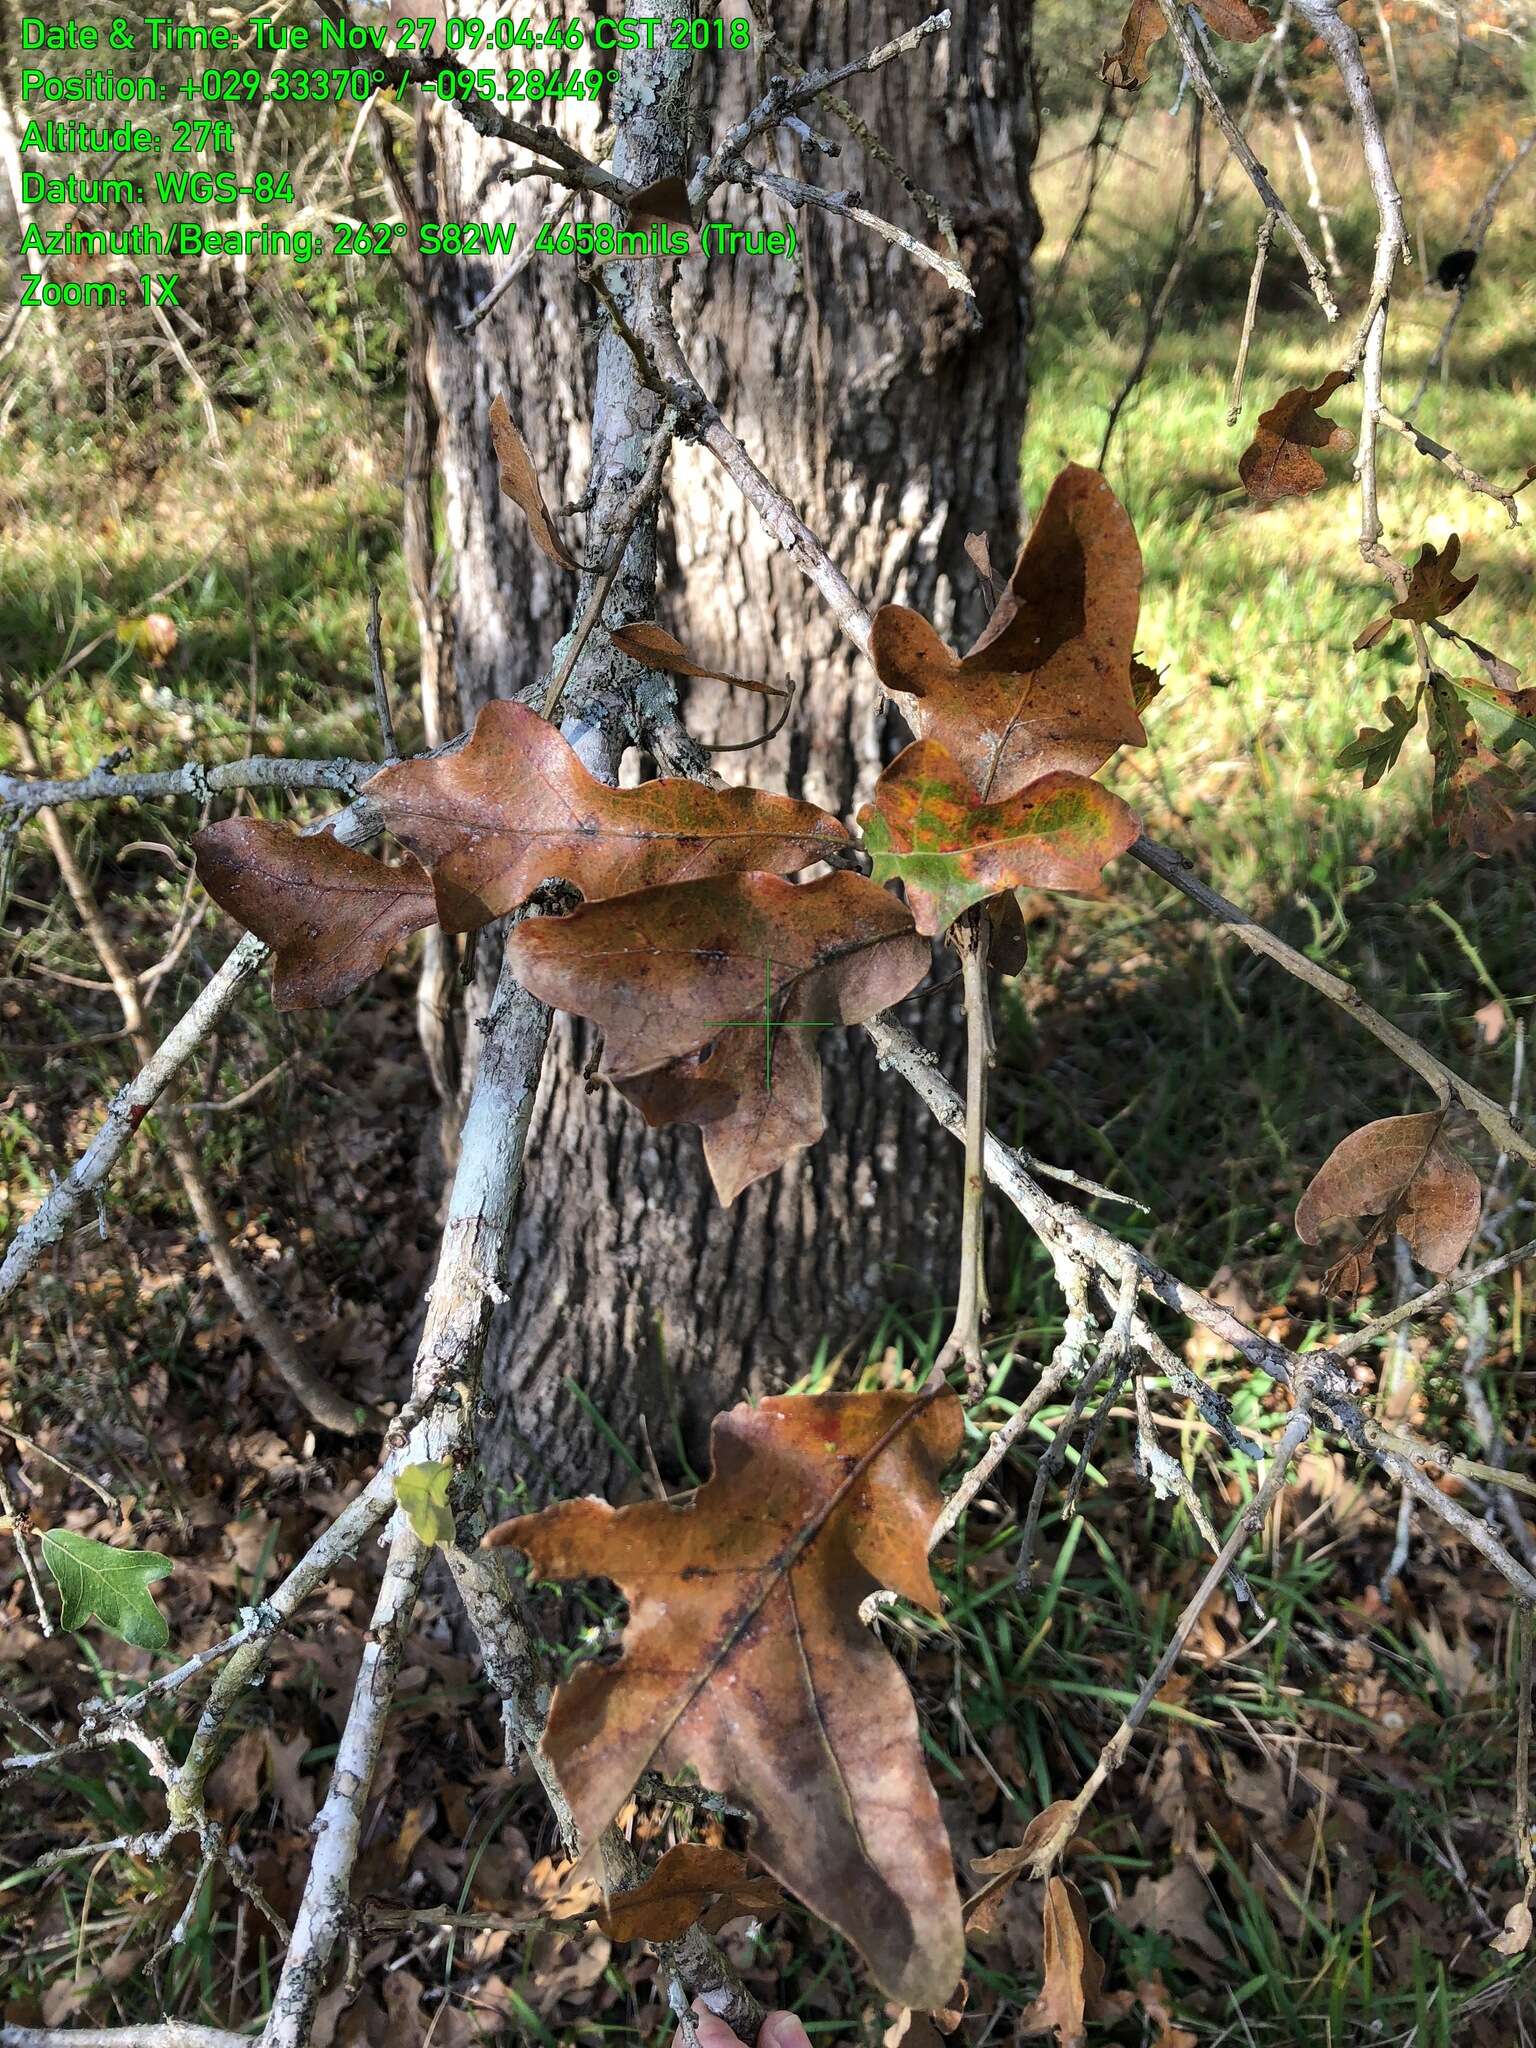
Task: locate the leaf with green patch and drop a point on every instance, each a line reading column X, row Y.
column 421, row 1491
column 927, row 831
column 112, row 1585
column 1376, row 753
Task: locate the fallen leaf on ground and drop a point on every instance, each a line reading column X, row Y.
column 1279, row 462
column 331, row 915
column 515, row 807
column 744, row 1656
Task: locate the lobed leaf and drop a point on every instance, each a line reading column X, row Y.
column 1434, row 588
column 331, row 915
column 1399, row 1168
column 1125, row 67
column 679, row 1891
column 94, row 1579
column 1278, row 462
column 926, row 830
column 515, row 807
column 744, row 1657
column 666, row 971
column 1049, row 683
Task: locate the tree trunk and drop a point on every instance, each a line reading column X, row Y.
column 893, row 421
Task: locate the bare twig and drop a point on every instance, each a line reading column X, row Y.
column 794, row 192
column 1462, row 471
column 964, row 1341
column 1250, row 311
column 1173, row 14
column 381, row 708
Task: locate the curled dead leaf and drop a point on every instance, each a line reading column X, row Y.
column 1073, row 1992
column 1278, row 463
column 520, row 483
column 680, row 1889
column 1402, row 1172
column 654, row 647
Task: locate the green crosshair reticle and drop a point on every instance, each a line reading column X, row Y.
column 770, row 1024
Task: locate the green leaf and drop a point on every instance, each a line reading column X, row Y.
column 928, row 830
column 1377, row 752
column 113, row 1585
column 1497, row 712
column 422, row 1491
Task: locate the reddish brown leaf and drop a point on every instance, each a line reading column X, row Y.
column 1073, row 1991
column 1279, row 463
column 756, row 1094
column 1434, row 588
column 1400, row 1168
column 744, row 1656
column 1125, row 67
column 668, row 970
column 515, row 807
column 926, row 830
column 331, row 915
column 678, row 1891
column 654, row 647
column 1048, row 685
column 1477, row 797
column 520, row 482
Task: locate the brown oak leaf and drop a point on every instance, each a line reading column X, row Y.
column 680, row 1889
column 1048, row 685
column 744, row 1656
column 516, row 807
column 666, row 971
column 1278, row 462
column 755, row 1094
column 654, row 647
column 331, row 915
column 1126, row 65
column 926, row 831
column 520, row 483
column 1477, row 797
column 1035, row 1851
column 1401, row 1171
column 1073, row 1992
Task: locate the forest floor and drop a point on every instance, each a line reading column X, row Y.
column 1312, row 1843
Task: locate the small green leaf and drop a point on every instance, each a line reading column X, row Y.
column 113, row 1585
column 422, row 1491
column 1376, row 752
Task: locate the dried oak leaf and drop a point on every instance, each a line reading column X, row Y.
column 744, row 1656
column 1126, row 66
column 1399, row 1168
column 1434, row 588
column 678, row 1891
column 1477, row 797
column 1048, row 685
column 1002, row 1870
column 666, row 971
column 1278, row 463
column 1073, row 1991
column 926, row 830
column 516, row 807
column 330, row 914
column 756, row 1094
column 520, row 483
column 654, row 647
